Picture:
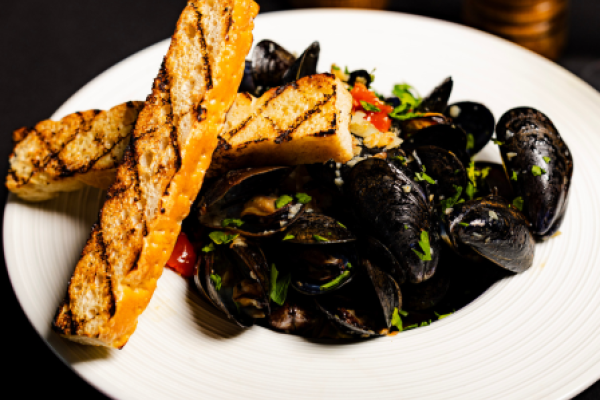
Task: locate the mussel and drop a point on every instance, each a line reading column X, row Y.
column 494, row 230
column 243, row 201
column 449, row 137
column 361, row 76
column 304, row 65
column 540, row 166
column 493, row 180
column 437, row 100
column 270, row 62
column 236, row 280
column 395, row 210
column 297, row 315
column 364, row 307
column 411, row 126
column 445, row 168
column 476, row 120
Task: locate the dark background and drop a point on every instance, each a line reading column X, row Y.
column 50, row 49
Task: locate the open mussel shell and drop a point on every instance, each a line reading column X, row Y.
column 426, row 295
column 493, row 229
column 243, row 195
column 533, row 151
column 270, row 62
column 476, row 120
column 360, row 76
column 304, row 65
column 493, row 180
column 236, row 281
column 437, row 100
column 394, row 209
column 380, row 256
column 411, row 126
column 443, row 167
column 247, row 84
column 318, row 229
column 298, row 315
column 364, row 307
column 449, row 137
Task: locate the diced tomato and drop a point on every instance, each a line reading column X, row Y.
column 379, row 119
column 183, row 258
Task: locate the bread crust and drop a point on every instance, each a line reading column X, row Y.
column 163, row 169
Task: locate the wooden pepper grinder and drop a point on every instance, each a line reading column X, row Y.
column 539, row 25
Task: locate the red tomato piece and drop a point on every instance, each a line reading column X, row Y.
column 183, row 258
column 379, row 119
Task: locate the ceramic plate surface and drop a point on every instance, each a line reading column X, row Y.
column 533, row 336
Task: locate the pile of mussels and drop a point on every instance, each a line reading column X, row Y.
column 412, row 234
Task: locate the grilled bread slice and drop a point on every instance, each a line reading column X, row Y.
column 303, row 122
column 62, row 156
column 162, row 171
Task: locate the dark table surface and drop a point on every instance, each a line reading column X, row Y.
column 50, row 49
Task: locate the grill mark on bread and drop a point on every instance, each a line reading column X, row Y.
column 206, row 64
column 286, row 134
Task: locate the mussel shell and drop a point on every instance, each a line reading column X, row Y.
column 270, row 62
column 411, row 126
column 475, row 119
column 240, row 267
column 528, row 136
column 304, row 65
column 364, row 307
column 496, row 182
column 445, row 168
column 426, row 295
column 298, row 315
column 449, row 137
column 394, row 209
column 321, row 269
column 380, row 256
column 437, row 100
column 311, row 227
column 365, row 77
column 496, row 231
column 247, row 84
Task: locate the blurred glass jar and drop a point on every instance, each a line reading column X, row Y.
column 376, row 4
column 539, row 25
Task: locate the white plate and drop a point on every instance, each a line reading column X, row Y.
column 533, row 336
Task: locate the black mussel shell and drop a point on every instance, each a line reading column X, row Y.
column 445, row 168
column 535, row 153
column 363, row 77
column 270, row 62
column 449, row 137
column 493, row 180
column 394, row 209
column 393, row 101
column 476, row 120
column 437, row 100
column 236, row 281
column 496, row 231
column 318, row 229
column 364, row 307
column 227, row 197
column 304, row 65
column 298, row 315
column 247, row 84
column 320, row 269
column 426, row 295
column 411, row 126
column 380, row 256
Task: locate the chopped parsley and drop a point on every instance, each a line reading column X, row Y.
column 403, row 313
column 464, row 224
column 514, row 176
column 442, row 316
column 424, row 244
column 288, row 237
column 221, row 237
column 303, row 198
column 409, row 101
column 422, row 176
column 537, row 171
column 349, row 265
column 518, row 203
column 470, row 141
column 405, row 227
column 335, row 67
column 319, row 238
column 499, row 143
column 401, row 159
column 369, row 107
column 232, row 222
column 279, row 286
column 547, row 159
column 340, row 224
column 283, row 201
column 216, row 280
column 336, row 281
column 396, row 320
column 208, row 248
column 451, row 201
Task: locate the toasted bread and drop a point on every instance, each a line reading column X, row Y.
column 62, row 156
column 163, row 169
column 300, row 123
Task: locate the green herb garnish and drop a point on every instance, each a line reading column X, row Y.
column 537, row 171
column 396, row 320
column 401, row 159
column 208, row 248
column 499, row 143
column 470, row 190
column 547, row 159
column 279, row 286
column 463, row 224
column 336, row 281
column 319, row 238
column 335, row 67
column 303, row 198
column 403, row 313
column 442, row 316
column 422, row 176
column 349, row 265
column 232, row 222
column 514, row 176
column 518, row 203
column 216, row 280
column 221, row 237
column 282, row 201
column 340, row 224
column 369, row 107
column 424, row 244
column 288, row 237
column 451, row 201
column 470, row 141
